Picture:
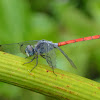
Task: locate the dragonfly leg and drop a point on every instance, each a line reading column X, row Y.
column 31, row 60
column 49, row 62
column 44, row 56
column 53, row 70
column 26, row 57
column 36, row 63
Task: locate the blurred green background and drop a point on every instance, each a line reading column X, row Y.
column 53, row 20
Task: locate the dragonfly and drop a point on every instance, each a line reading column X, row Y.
column 43, row 48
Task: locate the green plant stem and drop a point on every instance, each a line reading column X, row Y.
column 42, row 80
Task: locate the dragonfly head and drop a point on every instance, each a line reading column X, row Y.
column 29, row 50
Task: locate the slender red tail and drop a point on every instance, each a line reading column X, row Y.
column 78, row 40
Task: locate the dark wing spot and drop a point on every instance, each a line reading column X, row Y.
column 21, row 45
column 1, row 47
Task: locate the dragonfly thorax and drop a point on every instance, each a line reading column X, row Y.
column 43, row 46
column 29, row 50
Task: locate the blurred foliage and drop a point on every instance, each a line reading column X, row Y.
column 54, row 20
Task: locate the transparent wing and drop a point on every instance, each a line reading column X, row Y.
column 70, row 61
column 50, row 55
column 23, row 45
column 15, row 48
column 10, row 48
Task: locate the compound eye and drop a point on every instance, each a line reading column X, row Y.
column 27, row 53
column 29, row 50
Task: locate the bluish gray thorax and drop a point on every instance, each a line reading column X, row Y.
column 44, row 46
